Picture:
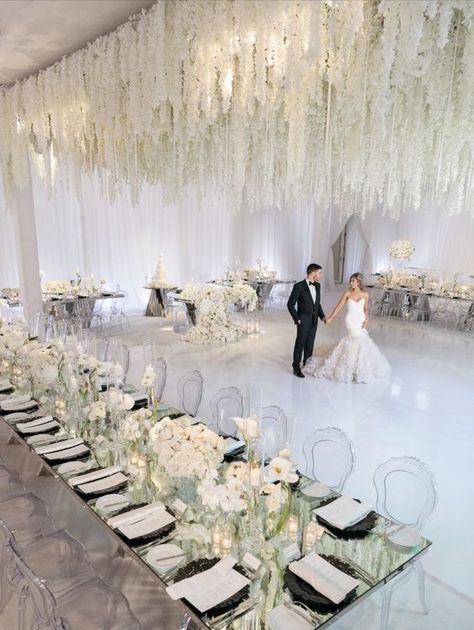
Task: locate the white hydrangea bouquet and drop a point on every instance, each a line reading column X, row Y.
column 402, row 249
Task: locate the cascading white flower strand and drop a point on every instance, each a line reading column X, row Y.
column 352, row 105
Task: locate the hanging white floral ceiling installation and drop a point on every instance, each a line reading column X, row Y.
column 353, row 105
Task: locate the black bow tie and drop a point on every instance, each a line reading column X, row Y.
column 312, row 284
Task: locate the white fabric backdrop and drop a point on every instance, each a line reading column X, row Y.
column 200, row 240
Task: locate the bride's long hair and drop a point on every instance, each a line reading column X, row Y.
column 360, row 279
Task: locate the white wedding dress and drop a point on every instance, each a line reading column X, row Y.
column 356, row 358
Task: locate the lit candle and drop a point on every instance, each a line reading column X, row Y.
column 292, row 528
column 255, row 476
column 216, row 535
column 285, row 453
column 312, row 533
column 226, row 541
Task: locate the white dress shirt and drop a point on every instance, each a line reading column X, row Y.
column 312, row 290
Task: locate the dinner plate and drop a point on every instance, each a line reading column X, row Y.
column 73, row 468
column 361, row 529
column 316, row 490
column 407, row 537
column 163, row 557
column 111, row 503
column 305, row 593
column 198, row 566
column 40, row 439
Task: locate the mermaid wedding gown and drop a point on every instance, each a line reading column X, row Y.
column 356, row 358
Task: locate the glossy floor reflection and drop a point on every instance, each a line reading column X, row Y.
column 425, row 409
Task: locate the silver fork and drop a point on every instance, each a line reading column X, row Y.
column 362, row 573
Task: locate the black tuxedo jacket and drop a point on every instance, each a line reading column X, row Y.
column 301, row 305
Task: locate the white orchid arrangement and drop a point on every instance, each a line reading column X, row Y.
column 402, row 249
column 229, row 496
column 190, row 451
column 136, row 426
column 149, row 377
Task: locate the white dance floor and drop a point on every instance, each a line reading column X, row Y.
column 426, row 410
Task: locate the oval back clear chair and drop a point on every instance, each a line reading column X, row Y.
column 329, row 457
column 93, row 600
column 411, row 482
column 190, row 388
column 161, row 372
column 274, row 429
column 227, row 403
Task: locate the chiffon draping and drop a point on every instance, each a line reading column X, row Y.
column 200, row 239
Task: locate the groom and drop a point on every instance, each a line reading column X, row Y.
column 306, row 296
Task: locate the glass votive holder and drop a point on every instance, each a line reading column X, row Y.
column 292, row 528
column 311, row 534
column 226, row 540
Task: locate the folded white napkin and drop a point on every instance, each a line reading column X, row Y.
column 24, row 427
column 232, row 445
column 324, row 577
column 29, row 404
column 15, row 400
column 5, row 384
column 58, row 446
column 35, row 423
column 106, row 483
column 134, row 515
column 211, row 587
column 92, row 476
column 148, row 524
column 343, row 512
column 68, row 453
column 283, row 618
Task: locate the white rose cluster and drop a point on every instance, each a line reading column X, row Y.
column 186, row 451
column 402, row 249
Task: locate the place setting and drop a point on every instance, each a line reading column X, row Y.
column 140, row 525
column 346, row 518
column 95, row 483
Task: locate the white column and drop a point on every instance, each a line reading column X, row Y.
column 27, row 249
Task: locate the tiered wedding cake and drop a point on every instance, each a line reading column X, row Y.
column 160, row 278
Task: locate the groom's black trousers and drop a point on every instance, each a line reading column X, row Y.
column 304, row 344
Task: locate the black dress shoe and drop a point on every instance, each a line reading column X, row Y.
column 298, row 372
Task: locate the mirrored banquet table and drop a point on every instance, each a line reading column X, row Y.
column 241, row 559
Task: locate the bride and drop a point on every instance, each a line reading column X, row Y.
column 356, row 358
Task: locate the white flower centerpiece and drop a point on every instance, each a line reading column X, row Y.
column 212, row 302
column 186, row 452
column 401, row 251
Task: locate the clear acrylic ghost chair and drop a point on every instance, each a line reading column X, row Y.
column 93, row 604
column 274, row 429
column 410, row 482
column 27, row 517
column 190, row 388
column 59, row 560
column 161, row 372
column 116, row 314
column 376, row 301
column 329, row 457
column 119, row 353
column 227, row 403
